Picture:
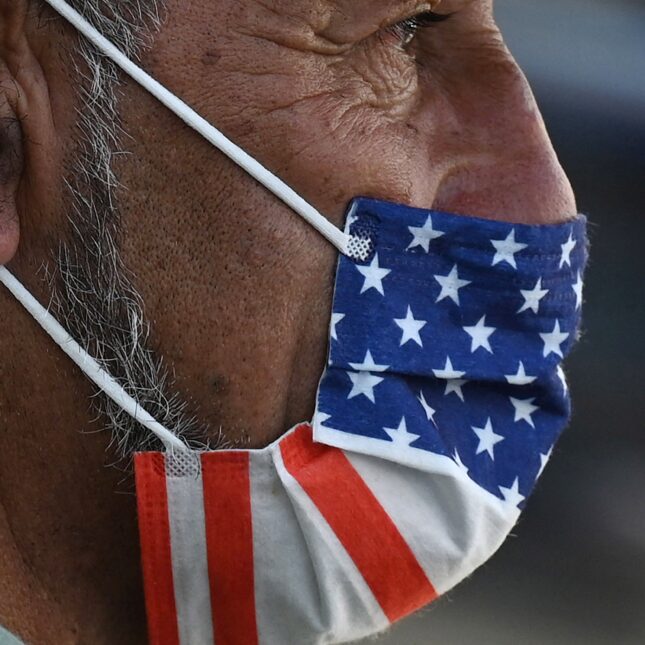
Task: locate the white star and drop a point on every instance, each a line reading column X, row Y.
column 544, row 460
column 567, row 247
column 460, row 463
column 335, row 319
column 411, row 328
column 520, row 378
column 400, row 436
column 487, row 439
column 563, row 378
column 368, row 365
column 450, row 285
column 512, row 494
column 374, row 275
column 553, row 340
column 321, row 417
column 430, row 411
column 532, row 298
column 453, row 379
column 364, row 382
column 506, row 250
column 480, row 335
column 455, row 385
column 577, row 288
column 423, row 235
column 524, row 408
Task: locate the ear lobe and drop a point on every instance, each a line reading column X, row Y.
column 11, row 167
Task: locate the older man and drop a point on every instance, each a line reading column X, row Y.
column 204, row 295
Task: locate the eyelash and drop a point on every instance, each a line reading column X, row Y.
column 407, row 29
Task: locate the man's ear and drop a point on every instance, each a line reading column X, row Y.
column 12, row 21
column 31, row 149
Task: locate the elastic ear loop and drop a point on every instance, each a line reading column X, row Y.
column 87, row 364
column 272, row 183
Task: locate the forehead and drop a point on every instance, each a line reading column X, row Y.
column 320, row 13
column 339, row 21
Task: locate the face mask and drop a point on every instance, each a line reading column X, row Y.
column 438, row 409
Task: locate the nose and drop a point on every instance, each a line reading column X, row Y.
column 502, row 163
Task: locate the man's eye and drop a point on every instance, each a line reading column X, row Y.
column 407, row 29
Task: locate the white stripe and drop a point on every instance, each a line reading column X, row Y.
column 285, row 582
column 414, row 458
column 451, row 526
column 332, row 603
column 189, row 556
column 281, row 190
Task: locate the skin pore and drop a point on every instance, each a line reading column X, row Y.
column 235, row 288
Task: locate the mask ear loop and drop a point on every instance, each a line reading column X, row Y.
column 338, row 238
column 87, row 364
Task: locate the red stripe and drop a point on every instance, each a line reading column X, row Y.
column 365, row 530
column 229, row 544
column 156, row 559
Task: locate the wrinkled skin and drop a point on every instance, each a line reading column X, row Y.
column 236, row 287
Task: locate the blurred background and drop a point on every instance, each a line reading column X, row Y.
column 574, row 572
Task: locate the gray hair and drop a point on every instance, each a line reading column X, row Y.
column 94, row 295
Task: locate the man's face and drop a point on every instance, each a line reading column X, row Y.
column 339, row 98
column 329, row 96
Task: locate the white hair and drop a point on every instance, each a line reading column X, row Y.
column 94, row 293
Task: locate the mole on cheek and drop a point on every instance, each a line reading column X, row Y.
column 211, row 57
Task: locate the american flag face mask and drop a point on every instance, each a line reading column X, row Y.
column 439, row 407
column 441, row 402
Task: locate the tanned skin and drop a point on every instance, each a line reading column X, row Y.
column 236, row 288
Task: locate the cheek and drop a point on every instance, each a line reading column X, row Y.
column 341, row 136
column 331, row 151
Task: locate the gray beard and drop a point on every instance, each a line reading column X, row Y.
column 93, row 293
column 95, row 299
